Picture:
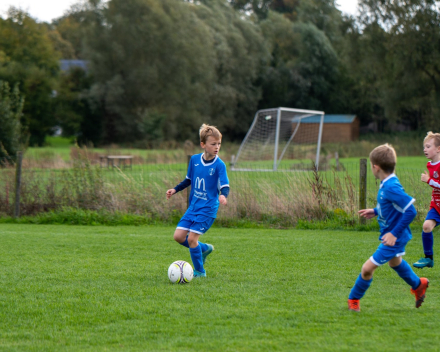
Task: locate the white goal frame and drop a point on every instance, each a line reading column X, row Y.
column 298, row 119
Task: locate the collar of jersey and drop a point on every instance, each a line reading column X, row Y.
column 388, row 178
column 430, row 162
column 203, row 163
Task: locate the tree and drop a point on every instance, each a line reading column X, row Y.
column 28, row 58
column 11, row 107
column 411, row 82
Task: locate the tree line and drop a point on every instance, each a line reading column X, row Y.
column 157, row 69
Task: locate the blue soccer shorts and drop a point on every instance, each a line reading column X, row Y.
column 195, row 223
column 433, row 215
column 384, row 253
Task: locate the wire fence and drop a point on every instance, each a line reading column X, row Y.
column 283, row 196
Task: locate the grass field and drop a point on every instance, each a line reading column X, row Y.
column 73, row 288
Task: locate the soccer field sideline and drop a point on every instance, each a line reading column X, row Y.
column 106, row 288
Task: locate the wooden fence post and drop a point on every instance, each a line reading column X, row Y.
column 363, row 187
column 18, row 184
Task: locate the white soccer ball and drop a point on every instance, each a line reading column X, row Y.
column 180, row 272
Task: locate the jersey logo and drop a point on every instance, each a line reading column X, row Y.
column 196, row 164
column 211, row 171
column 435, row 174
column 199, row 183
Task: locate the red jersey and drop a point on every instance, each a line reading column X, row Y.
column 434, row 182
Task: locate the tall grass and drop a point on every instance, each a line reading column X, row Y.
column 52, row 182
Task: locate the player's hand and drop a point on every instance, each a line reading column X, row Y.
column 223, row 200
column 389, row 239
column 367, row 213
column 425, row 177
column 170, row 192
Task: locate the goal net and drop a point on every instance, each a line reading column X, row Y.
column 281, row 139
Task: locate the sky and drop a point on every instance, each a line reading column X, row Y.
column 47, row 10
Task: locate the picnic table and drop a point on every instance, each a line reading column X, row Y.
column 122, row 161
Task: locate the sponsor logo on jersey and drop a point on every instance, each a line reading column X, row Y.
column 211, row 171
column 199, row 183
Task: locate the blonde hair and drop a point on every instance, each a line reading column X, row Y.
column 434, row 136
column 385, row 157
column 208, row 130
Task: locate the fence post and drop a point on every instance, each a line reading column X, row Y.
column 337, row 161
column 188, row 189
column 18, row 184
column 363, row 187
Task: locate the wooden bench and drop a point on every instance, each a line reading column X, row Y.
column 110, row 160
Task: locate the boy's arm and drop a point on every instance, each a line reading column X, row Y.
column 224, row 185
column 405, row 220
column 182, row 185
column 403, row 203
column 429, row 180
column 368, row 213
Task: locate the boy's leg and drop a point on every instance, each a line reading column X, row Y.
column 418, row 285
column 195, row 251
column 403, row 269
column 428, row 245
column 361, row 285
column 201, row 225
column 181, row 237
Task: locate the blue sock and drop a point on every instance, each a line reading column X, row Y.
column 428, row 243
column 359, row 288
column 185, row 243
column 407, row 274
column 196, row 257
column 204, row 246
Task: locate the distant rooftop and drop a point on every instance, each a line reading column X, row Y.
column 66, row 65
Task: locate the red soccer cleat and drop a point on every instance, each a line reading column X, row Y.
column 420, row 291
column 353, row 304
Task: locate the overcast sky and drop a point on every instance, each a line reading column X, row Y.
column 47, row 10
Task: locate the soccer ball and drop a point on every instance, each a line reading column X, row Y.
column 180, row 272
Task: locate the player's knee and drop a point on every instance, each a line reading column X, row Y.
column 193, row 241
column 428, row 226
column 179, row 237
column 367, row 272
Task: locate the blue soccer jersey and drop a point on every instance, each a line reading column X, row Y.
column 392, row 202
column 206, row 182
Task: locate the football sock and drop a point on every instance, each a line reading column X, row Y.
column 428, row 243
column 407, row 274
column 359, row 288
column 203, row 246
column 185, row 243
column 196, row 257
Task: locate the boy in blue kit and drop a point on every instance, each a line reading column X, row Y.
column 209, row 187
column 395, row 211
column 431, row 149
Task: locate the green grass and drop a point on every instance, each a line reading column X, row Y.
column 73, row 288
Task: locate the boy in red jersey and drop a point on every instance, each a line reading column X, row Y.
column 431, row 177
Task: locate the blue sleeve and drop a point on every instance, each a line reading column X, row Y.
column 223, row 177
column 182, row 185
column 405, row 220
column 403, row 203
column 225, row 191
column 189, row 173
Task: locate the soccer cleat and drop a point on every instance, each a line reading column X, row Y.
column 207, row 252
column 420, row 291
column 199, row 274
column 424, row 262
column 353, row 304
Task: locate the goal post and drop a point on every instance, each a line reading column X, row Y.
column 278, row 136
